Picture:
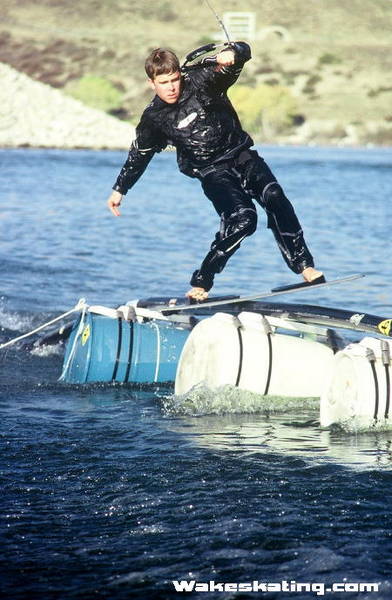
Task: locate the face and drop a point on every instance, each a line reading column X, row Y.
column 167, row 86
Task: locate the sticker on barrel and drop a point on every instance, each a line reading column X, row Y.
column 385, row 326
column 85, row 334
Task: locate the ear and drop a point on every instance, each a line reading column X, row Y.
column 151, row 84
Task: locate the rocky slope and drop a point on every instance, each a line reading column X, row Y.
column 35, row 114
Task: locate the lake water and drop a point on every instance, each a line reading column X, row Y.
column 114, row 491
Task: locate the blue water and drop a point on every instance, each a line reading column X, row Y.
column 112, row 491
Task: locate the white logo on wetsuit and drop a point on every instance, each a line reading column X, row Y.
column 189, row 119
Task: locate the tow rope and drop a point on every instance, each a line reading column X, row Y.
column 81, row 305
column 207, row 48
column 217, row 17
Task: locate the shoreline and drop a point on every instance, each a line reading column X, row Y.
column 258, row 145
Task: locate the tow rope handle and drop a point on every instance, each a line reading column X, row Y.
column 200, row 52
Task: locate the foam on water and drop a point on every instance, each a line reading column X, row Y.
column 14, row 321
column 356, row 425
column 48, row 350
column 229, row 399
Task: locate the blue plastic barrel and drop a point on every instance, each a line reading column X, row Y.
column 103, row 349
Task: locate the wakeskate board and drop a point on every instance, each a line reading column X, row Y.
column 278, row 291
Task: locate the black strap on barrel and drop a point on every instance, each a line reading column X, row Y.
column 269, row 337
column 119, row 343
column 372, row 361
column 241, row 356
column 386, row 360
column 130, row 351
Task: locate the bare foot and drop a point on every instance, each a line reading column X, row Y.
column 197, row 293
column 310, row 274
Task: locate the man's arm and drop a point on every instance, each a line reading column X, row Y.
column 147, row 142
column 231, row 61
column 114, row 202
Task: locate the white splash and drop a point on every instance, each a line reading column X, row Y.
column 231, row 400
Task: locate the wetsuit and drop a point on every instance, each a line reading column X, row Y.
column 212, row 146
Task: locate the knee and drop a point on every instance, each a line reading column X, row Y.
column 243, row 222
column 273, row 196
column 250, row 224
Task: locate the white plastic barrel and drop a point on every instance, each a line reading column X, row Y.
column 359, row 391
column 244, row 352
column 211, row 354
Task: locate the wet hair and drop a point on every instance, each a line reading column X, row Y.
column 161, row 62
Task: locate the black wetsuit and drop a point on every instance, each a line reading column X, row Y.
column 212, row 146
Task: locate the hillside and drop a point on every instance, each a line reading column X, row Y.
column 332, row 57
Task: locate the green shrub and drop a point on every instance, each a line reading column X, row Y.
column 329, row 59
column 97, row 92
column 381, row 136
column 310, row 86
column 264, row 110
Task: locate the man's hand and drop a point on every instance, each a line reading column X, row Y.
column 225, row 58
column 114, row 202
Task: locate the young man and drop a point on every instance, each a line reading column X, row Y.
column 193, row 113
